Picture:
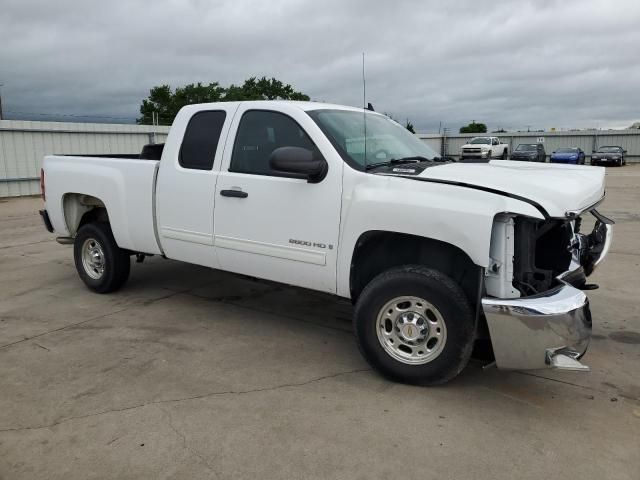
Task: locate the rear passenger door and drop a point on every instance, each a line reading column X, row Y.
column 273, row 225
column 186, row 183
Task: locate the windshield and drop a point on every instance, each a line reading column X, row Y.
column 609, row 149
column 386, row 140
column 567, row 150
column 527, row 148
column 481, row 140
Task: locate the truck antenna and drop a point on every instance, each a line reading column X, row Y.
column 364, row 111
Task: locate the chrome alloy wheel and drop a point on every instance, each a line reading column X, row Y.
column 411, row 330
column 93, row 258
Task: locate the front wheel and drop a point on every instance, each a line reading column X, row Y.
column 414, row 325
column 101, row 264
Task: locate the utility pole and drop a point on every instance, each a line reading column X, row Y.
column 1, row 84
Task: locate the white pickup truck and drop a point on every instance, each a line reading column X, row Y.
column 435, row 255
column 484, row 147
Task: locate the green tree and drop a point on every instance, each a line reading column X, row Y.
column 409, row 126
column 263, row 89
column 474, row 127
column 165, row 103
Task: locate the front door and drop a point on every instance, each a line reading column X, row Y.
column 272, row 225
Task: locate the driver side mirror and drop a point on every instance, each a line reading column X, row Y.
column 299, row 161
column 624, row 151
column 593, row 151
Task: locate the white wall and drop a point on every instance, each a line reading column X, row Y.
column 587, row 140
column 23, row 144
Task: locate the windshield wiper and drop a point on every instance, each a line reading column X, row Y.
column 396, row 161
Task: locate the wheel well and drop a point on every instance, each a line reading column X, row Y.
column 80, row 209
column 377, row 251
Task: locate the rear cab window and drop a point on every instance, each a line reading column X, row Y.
column 200, row 140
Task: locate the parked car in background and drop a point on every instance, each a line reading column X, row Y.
column 609, row 155
column 530, row 152
column 484, row 147
column 572, row 155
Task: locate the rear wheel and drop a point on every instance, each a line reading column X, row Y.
column 101, row 264
column 414, row 325
column 505, row 155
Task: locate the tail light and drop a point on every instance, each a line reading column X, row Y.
column 42, row 194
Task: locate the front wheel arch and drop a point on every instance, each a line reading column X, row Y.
column 376, row 251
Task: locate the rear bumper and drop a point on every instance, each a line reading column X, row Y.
column 46, row 220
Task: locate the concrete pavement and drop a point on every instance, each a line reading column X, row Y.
column 193, row 373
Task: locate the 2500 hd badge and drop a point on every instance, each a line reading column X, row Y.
column 310, row 244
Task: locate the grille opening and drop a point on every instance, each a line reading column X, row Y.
column 541, row 253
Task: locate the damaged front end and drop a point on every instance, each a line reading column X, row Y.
column 536, row 309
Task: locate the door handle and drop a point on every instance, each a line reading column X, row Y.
column 234, row 193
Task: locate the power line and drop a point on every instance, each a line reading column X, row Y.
column 72, row 115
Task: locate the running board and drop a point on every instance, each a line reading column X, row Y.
column 64, row 240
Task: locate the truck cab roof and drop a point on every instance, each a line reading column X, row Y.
column 302, row 105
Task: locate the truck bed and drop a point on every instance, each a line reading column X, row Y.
column 126, row 186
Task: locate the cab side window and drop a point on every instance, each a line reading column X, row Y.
column 259, row 134
column 200, row 141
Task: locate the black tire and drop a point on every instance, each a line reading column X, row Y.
column 115, row 261
column 451, row 305
column 505, row 155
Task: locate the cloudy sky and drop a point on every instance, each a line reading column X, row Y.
column 510, row 64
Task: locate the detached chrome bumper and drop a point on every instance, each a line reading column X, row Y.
column 551, row 329
column 529, row 333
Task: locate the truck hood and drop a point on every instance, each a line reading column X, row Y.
column 557, row 188
column 476, row 145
